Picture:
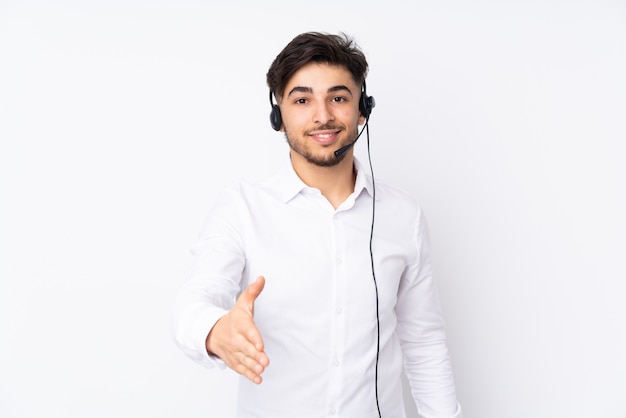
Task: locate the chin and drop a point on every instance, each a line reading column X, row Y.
column 324, row 161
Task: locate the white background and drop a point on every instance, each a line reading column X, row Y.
column 119, row 121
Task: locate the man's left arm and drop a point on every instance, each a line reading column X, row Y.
column 421, row 330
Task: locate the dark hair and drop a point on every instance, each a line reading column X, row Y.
column 316, row 47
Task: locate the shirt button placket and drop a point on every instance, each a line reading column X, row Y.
column 336, row 369
column 339, row 331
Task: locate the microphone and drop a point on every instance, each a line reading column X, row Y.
column 341, row 151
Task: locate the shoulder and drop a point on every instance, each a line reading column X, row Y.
column 387, row 195
column 397, row 199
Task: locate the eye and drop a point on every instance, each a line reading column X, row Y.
column 339, row 99
column 300, row 101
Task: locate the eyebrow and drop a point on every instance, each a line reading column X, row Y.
column 301, row 89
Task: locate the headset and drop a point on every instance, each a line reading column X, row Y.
column 366, row 104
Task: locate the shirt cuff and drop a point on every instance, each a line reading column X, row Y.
column 191, row 337
column 201, row 330
column 457, row 414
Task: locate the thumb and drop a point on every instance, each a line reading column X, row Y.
column 252, row 292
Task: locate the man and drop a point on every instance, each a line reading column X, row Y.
column 315, row 284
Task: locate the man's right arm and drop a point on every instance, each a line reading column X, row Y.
column 208, row 324
column 213, row 283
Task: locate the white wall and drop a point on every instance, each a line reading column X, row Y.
column 119, row 120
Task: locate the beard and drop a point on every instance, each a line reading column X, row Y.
column 300, row 147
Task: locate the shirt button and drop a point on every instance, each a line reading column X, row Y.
column 339, row 261
column 336, row 363
column 339, row 310
column 333, row 411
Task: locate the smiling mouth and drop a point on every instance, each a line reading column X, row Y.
column 325, row 136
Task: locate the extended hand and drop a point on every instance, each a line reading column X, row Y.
column 236, row 339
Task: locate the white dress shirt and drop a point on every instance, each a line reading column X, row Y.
column 317, row 312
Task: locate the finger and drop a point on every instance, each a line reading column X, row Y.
column 254, row 364
column 255, row 353
column 250, row 344
column 255, row 289
column 249, row 366
column 253, row 336
column 246, row 337
column 248, row 297
column 252, row 376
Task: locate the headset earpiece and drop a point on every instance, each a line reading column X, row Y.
column 366, row 103
column 276, row 119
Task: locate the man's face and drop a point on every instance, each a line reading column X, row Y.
column 320, row 112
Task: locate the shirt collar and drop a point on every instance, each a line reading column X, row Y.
column 291, row 185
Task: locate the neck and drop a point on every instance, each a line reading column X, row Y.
column 335, row 183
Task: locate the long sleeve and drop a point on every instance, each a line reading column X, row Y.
column 212, row 287
column 421, row 330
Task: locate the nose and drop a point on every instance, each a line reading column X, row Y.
column 323, row 113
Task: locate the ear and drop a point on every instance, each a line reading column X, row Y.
column 361, row 119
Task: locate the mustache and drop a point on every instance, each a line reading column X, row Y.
column 326, row 127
